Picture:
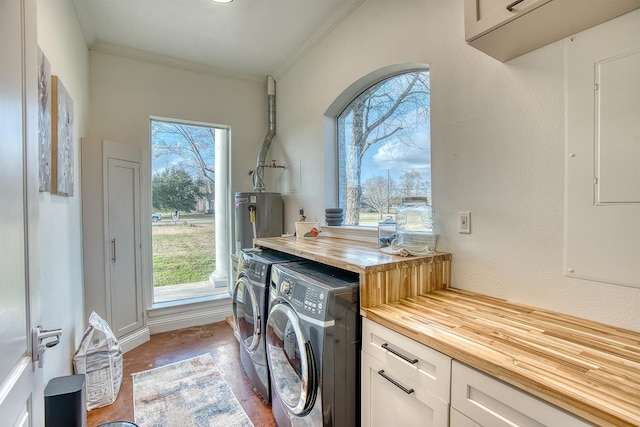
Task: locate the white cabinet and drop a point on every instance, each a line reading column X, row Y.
column 122, row 231
column 505, row 29
column 403, row 382
column 490, row 402
column 111, row 224
column 456, row 419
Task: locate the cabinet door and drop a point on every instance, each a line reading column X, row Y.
column 490, row 402
column 21, row 381
column 390, row 399
column 124, row 303
column 484, row 15
column 427, row 367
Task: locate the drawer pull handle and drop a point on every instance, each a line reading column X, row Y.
column 400, row 355
column 394, row 382
column 515, row 3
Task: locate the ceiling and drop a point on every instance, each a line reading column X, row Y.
column 250, row 37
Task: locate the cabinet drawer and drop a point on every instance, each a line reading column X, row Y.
column 430, row 369
column 490, row 402
column 459, row 420
column 391, row 399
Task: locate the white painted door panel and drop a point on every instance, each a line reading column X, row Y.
column 617, row 123
column 21, row 388
column 602, row 183
column 125, row 302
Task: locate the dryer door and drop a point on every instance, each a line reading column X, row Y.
column 293, row 370
column 246, row 313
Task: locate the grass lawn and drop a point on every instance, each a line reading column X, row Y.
column 185, row 252
column 371, row 219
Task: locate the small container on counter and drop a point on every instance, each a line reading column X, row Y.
column 415, row 225
column 387, row 232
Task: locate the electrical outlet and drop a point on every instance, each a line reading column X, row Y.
column 464, row 222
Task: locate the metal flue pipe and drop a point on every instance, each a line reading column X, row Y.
column 258, row 176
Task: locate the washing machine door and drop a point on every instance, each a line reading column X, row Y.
column 291, row 361
column 246, row 313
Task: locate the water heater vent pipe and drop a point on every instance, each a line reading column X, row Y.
column 258, row 176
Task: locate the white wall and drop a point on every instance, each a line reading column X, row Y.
column 60, row 38
column 497, row 149
column 126, row 92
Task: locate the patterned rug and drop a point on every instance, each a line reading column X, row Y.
column 187, row 393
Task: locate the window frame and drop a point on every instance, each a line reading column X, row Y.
column 224, row 146
column 331, row 168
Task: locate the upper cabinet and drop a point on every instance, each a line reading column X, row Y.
column 505, row 29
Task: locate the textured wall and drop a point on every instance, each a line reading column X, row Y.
column 60, row 231
column 497, row 149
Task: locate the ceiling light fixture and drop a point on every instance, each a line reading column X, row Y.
column 222, row 1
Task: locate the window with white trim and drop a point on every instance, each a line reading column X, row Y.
column 384, row 147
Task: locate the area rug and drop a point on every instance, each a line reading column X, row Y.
column 187, row 393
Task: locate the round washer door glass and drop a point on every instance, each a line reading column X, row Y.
column 293, row 371
column 246, row 313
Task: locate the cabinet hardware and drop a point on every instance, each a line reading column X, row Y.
column 394, row 382
column 113, row 243
column 515, row 3
column 400, row 355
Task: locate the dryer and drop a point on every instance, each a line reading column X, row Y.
column 250, row 308
column 313, row 345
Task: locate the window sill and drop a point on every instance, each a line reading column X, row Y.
column 190, row 304
column 348, row 232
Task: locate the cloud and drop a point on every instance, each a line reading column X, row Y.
column 404, row 154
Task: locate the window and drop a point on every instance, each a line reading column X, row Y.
column 383, row 148
column 184, row 226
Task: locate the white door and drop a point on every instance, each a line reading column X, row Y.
column 125, row 303
column 21, row 380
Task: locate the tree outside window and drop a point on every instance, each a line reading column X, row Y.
column 384, row 148
column 183, row 192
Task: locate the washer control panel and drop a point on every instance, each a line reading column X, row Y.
column 306, row 298
column 257, row 271
column 314, row 300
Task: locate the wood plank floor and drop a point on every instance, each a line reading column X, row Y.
column 170, row 347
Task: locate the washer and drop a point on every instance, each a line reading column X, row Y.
column 250, row 308
column 313, row 345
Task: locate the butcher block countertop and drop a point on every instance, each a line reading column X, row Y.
column 587, row 368
column 359, row 257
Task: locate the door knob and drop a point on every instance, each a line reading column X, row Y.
column 38, row 335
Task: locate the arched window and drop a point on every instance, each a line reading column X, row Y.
column 384, row 147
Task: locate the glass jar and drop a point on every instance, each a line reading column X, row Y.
column 415, row 225
column 386, row 232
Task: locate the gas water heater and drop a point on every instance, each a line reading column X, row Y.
column 258, row 214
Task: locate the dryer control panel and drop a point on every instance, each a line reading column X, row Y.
column 305, row 298
column 310, row 290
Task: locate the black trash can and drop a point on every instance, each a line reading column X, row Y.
column 65, row 402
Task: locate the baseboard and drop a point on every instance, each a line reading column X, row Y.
column 202, row 315
column 134, row 339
